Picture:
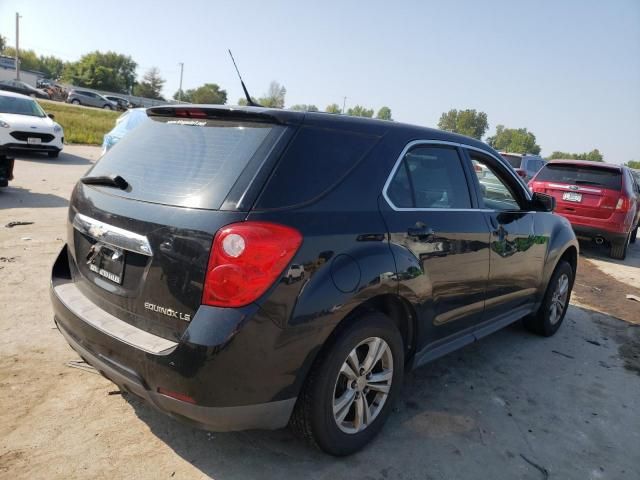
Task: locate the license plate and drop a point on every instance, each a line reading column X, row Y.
column 572, row 197
column 34, row 141
column 107, row 261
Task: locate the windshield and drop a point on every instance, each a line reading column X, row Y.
column 21, row 106
column 581, row 174
column 514, row 160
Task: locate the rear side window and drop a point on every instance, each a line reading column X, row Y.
column 429, row 177
column 187, row 163
column 514, row 160
column 581, row 175
column 315, row 161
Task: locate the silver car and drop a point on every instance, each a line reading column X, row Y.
column 90, row 99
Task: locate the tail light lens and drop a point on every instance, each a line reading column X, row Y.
column 246, row 258
column 624, row 204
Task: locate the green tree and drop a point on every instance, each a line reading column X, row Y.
column 360, row 111
column 384, row 114
column 208, row 93
column 303, row 107
column 635, row 164
column 333, row 108
column 151, row 85
column 3, row 43
column 51, row 66
column 28, row 58
column 274, row 97
column 594, row 156
column 514, row 140
column 109, row 71
column 465, row 122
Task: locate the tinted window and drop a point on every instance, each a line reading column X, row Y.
column 514, row 160
column 184, row 162
column 315, row 161
column 533, row 165
column 430, row 177
column 581, row 175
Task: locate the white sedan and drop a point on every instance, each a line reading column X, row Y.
column 24, row 126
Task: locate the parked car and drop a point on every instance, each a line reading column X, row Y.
column 90, row 99
column 405, row 260
column 125, row 123
column 526, row 165
column 599, row 199
column 121, row 103
column 24, row 126
column 23, row 88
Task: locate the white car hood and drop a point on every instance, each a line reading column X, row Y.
column 28, row 122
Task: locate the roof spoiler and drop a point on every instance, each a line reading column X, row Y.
column 247, row 114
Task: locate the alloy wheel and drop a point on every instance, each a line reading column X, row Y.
column 363, row 385
column 559, row 299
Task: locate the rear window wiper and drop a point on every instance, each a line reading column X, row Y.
column 107, row 181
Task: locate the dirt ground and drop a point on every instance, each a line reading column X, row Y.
column 511, row 406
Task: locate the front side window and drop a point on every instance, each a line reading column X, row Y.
column 430, row 177
column 495, row 190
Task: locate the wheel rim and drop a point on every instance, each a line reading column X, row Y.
column 363, row 385
column 559, row 299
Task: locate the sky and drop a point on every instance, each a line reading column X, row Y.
column 569, row 71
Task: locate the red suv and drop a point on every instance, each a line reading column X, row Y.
column 600, row 200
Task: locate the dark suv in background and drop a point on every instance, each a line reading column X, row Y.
column 246, row 268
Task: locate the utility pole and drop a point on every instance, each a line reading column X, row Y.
column 180, row 89
column 17, row 46
column 344, row 102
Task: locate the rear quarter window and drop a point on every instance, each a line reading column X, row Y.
column 603, row 177
column 315, row 161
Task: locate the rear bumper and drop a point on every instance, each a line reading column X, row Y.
column 590, row 232
column 267, row 416
column 232, row 387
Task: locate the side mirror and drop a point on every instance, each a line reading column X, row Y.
column 543, row 203
column 51, row 116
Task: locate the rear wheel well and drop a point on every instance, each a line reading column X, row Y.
column 397, row 309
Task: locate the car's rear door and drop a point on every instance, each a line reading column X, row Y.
column 439, row 240
column 517, row 253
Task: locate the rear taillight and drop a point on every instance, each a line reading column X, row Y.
column 624, row 204
column 246, row 258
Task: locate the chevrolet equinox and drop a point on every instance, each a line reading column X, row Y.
column 175, row 282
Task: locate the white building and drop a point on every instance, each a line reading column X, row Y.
column 8, row 71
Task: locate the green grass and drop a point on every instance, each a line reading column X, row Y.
column 81, row 124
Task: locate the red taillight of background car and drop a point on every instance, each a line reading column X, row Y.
column 246, row 258
column 624, row 204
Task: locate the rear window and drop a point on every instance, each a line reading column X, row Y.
column 514, row 160
column 581, row 175
column 184, row 162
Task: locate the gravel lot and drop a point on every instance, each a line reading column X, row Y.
column 511, row 406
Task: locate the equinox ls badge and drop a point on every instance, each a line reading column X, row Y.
column 169, row 312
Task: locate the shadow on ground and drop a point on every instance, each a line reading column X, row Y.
column 510, row 406
column 63, row 159
column 601, row 252
column 17, row 197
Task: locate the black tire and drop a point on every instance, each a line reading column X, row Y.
column 634, row 234
column 542, row 322
column 54, row 154
column 313, row 418
column 619, row 250
column 75, row 102
column 107, row 107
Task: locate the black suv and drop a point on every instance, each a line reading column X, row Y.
column 246, row 268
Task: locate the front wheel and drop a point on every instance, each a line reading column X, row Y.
column 75, row 102
column 547, row 320
column 352, row 386
column 107, row 107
